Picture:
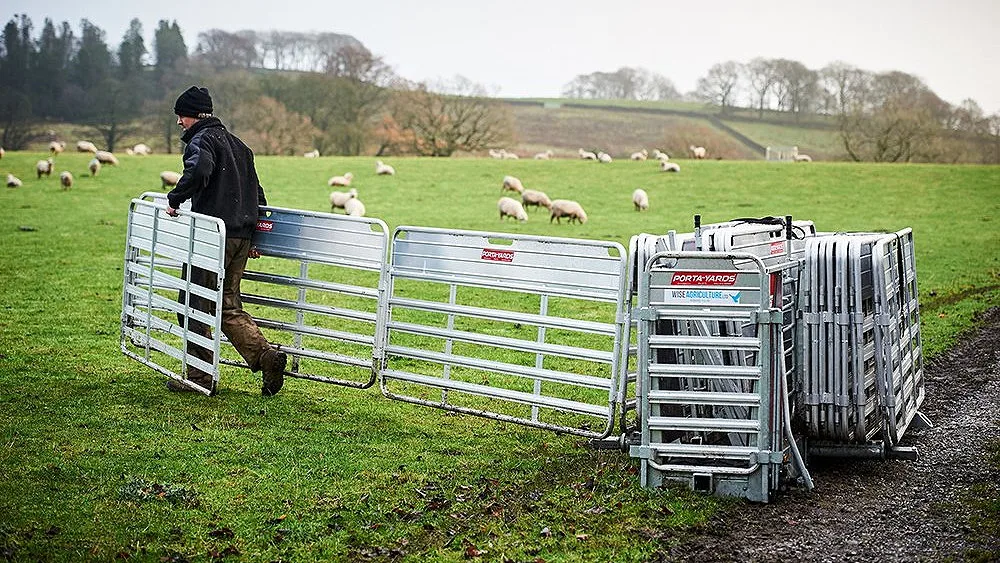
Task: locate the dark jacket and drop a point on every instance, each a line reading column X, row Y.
column 219, row 178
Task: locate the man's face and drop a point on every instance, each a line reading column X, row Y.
column 186, row 122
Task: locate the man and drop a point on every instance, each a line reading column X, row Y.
column 220, row 180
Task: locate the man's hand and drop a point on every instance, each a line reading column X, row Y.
column 171, row 211
column 254, row 253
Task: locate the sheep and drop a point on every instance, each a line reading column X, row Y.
column 382, row 169
column 312, row 154
column 142, row 149
column 85, row 146
column 547, row 155
column 344, row 180
column 587, row 155
column 509, row 207
column 497, row 154
column 129, row 151
column 44, row 167
column 660, row 155
column 536, row 198
column 697, row 152
column 106, row 157
column 338, row 199
column 2, row 152
column 13, row 181
column 567, row 208
column 603, row 157
column 641, row 155
column 169, row 178
column 354, row 207
column 669, row 166
column 56, row 147
column 509, row 156
column 803, row 158
column 640, row 199
column 95, row 166
column 511, row 183
column 66, row 179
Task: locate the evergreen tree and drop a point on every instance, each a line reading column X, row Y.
column 49, row 69
column 131, row 51
column 169, row 47
column 92, row 63
column 17, row 52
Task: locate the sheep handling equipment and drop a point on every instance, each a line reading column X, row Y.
column 723, row 358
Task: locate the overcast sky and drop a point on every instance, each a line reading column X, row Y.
column 522, row 48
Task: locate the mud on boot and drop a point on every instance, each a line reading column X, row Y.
column 272, row 366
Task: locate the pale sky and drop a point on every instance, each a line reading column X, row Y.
column 532, row 48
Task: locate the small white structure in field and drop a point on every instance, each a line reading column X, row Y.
column 383, row 169
column 640, row 199
column 344, row 180
column 510, row 207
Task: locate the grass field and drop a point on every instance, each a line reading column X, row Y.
column 99, row 462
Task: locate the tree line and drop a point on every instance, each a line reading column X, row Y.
column 282, row 92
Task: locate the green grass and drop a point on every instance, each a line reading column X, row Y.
column 99, row 461
column 821, row 144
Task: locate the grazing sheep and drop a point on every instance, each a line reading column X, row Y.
column 312, row 154
column 697, row 152
column 344, row 180
column 511, row 183
column 640, row 199
column 669, row 166
column 44, row 167
column 2, row 152
column 536, row 198
column 13, row 181
column 509, row 156
column 660, row 155
column 547, row 155
column 338, row 199
column 603, row 157
column 803, row 158
column 56, row 147
column 382, row 169
column 641, row 155
column 497, row 154
column 85, row 146
column 354, row 207
column 169, row 178
column 66, row 179
column 567, row 208
column 509, row 207
column 95, row 166
column 106, row 157
column 142, row 149
column 129, row 151
column 587, row 155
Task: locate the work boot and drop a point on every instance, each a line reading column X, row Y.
column 272, row 366
column 202, row 379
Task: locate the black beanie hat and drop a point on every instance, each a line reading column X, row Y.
column 194, row 102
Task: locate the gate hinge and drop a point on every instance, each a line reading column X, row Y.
column 644, row 313
column 641, row 452
column 773, row 316
column 767, row 457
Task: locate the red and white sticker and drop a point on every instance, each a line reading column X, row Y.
column 265, row 226
column 777, row 247
column 703, row 278
column 498, row 255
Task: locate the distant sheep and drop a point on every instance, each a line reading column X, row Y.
column 641, row 155
column 56, row 147
column 312, row 154
column 510, row 156
column 382, row 169
column 536, row 198
column 509, row 207
column 338, row 199
column 669, row 166
column 547, row 155
column 512, row 184
column 66, row 179
column 803, row 158
column 660, row 155
column 354, row 207
column 44, row 167
column 169, row 178
column 497, row 154
column 344, row 180
column 95, row 166
column 587, row 155
column 85, row 146
column 603, row 157
column 106, row 157
column 697, row 152
column 640, row 199
column 567, row 208
column 142, row 149
column 13, row 181
column 2, row 152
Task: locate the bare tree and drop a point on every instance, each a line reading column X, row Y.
column 762, row 76
column 846, row 86
column 626, row 83
column 720, row 85
column 268, row 127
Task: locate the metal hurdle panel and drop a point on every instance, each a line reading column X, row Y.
column 157, row 247
column 317, row 292
column 516, row 328
column 712, row 404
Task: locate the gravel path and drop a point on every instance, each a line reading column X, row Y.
column 885, row 510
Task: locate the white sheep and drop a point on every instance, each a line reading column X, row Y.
column 640, row 199
column 497, row 154
column 547, row 155
column 509, row 156
column 511, row 183
column 603, row 157
column 56, row 147
column 669, row 166
column 312, row 154
column 66, row 179
column 106, row 157
column 169, row 178
column 567, row 208
column 13, row 181
column 338, row 199
column 142, row 149
column 641, row 155
column 354, row 207
column 2, row 152
column 344, row 180
column 510, row 207
column 587, row 155
column 803, row 158
column 382, row 169
column 85, row 146
column 697, row 152
column 95, row 166
column 44, row 167
column 536, row 198
column 129, row 151
column 660, row 155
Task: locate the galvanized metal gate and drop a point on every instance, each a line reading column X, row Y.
column 510, row 327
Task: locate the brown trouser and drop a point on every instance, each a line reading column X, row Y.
column 237, row 325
